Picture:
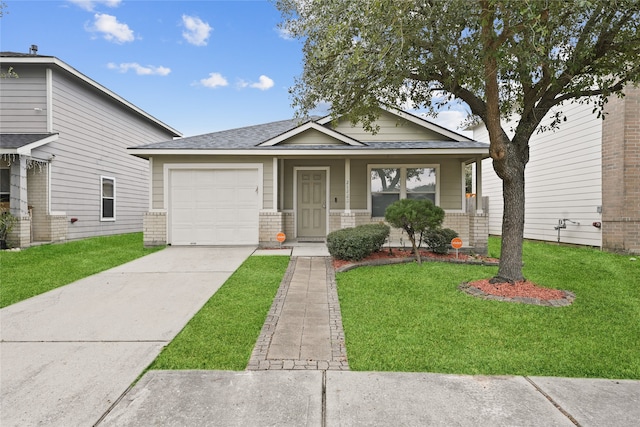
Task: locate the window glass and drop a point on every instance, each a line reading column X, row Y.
column 421, row 183
column 385, row 189
column 389, row 184
column 5, row 185
column 108, row 198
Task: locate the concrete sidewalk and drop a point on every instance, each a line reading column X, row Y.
column 67, row 355
column 343, row 398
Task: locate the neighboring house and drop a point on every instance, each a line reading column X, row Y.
column 64, row 169
column 585, row 176
column 244, row 186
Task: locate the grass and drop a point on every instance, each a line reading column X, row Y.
column 223, row 333
column 412, row 318
column 39, row 269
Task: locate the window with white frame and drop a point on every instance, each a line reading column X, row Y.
column 108, row 205
column 5, row 185
column 391, row 183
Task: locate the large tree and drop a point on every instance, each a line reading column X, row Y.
column 510, row 61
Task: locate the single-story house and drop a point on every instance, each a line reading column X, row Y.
column 582, row 183
column 306, row 179
column 64, row 169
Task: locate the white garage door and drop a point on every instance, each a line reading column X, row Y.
column 213, row 207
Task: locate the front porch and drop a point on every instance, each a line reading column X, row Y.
column 25, row 195
column 472, row 227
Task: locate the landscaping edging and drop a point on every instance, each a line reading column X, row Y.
column 568, row 298
column 404, row 260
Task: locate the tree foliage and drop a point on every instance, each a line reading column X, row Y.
column 517, row 60
column 414, row 217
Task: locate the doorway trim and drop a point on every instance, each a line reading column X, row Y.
column 327, row 170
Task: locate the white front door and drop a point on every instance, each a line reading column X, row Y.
column 312, row 203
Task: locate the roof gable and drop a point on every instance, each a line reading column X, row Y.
column 395, row 125
column 329, row 136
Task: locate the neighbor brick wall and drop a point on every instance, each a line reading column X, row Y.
column 621, row 173
column 58, row 226
column 20, row 235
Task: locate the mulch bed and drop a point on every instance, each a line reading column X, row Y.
column 396, row 255
column 524, row 292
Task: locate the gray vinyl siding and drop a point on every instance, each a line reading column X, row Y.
column 563, row 179
column 160, row 161
column 312, row 137
column 23, row 104
column 451, row 184
column 359, row 196
column 450, row 180
column 392, row 128
column 94, row 133
column 336, row 180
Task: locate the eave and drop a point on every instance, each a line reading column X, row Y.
column 292, row 152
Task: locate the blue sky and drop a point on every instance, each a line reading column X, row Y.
column 199, row 66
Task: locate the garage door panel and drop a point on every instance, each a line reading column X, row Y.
column 214, row 206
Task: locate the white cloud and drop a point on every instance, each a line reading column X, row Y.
column 452, row 120
column 139, row 69
column 91, row 4
column 111, row 29
column 263, row 83
column 214, row 80
column 197, row 32
column 284, row 33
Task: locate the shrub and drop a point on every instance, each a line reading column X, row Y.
column 439, row 240
column 415, row 217
column 356, row 243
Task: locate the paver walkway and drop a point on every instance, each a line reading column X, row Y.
column 304, row 328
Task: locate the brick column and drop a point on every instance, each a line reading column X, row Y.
column 154, row 227
column 21, row 233
column 270, row 225
column 621, row 173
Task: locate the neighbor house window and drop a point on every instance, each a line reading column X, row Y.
column 5, row 185
column 389, row 184
column 108, row 207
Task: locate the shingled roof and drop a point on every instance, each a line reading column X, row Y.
column 245, row 137
column 250, row 138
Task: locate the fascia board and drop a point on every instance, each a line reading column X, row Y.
column 484, row 152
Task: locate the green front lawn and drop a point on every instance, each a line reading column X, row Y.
column 223, row 333
column 39, row 269
column 412, row 318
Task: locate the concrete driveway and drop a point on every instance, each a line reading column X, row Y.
column 66, row 356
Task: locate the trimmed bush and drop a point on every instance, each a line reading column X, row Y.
column 439, row 240
column 415, row 217
column 354, row 244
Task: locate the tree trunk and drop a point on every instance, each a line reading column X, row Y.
column 510, row 269
column 416, row 252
